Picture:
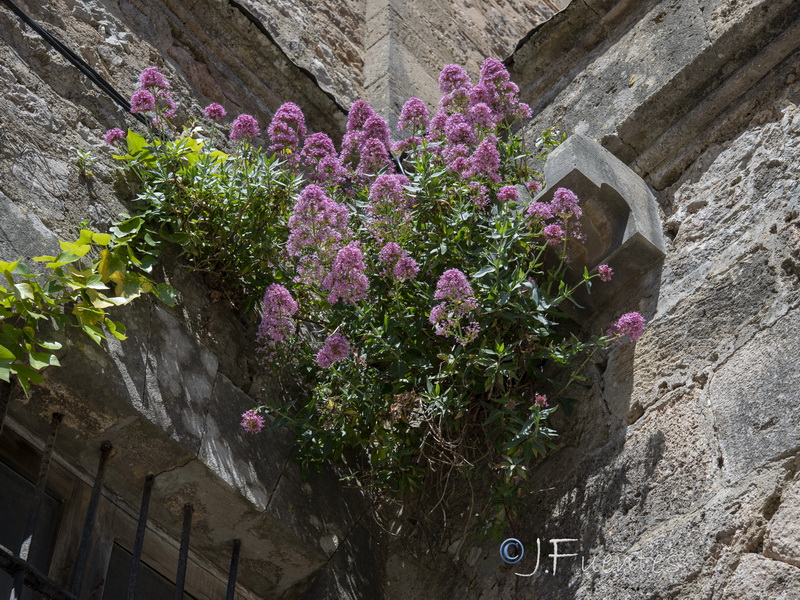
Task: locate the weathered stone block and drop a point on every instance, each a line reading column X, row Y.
column 757, row 578
column 754, row 396
column 782, row 541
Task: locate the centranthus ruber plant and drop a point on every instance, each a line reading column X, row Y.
column 418, row 286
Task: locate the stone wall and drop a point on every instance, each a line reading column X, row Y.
column 678, row 476
column 169, row 397
column 388, row 50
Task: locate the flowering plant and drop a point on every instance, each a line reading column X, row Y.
column 421, row 286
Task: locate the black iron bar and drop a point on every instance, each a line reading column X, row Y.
column 36, row 503
column 139, row 541
column 5, row 400
column 237, row 546
column 34, row 579
column 183, row 556
column 91, row 513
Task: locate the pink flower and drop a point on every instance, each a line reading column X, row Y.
column 142, row 101
column 391, row 253
column 554, row 234
column 540, row 400
column 215, row 112
column 375, row 127
column 399, row 263
column 485, row 161
column 414, row 115
column 534, row 187
column 358, row 115
column 336, row 348
column 453, row 285
column 277, row 324
column 317, row 146
column 458, row 130
column 151, row 77
column 507, row 193
column 479, row 194
column 252, row 422
column 406, row 269
column 374, row 157
column 287, row 130
column 493, row 70
column 388, row 207
column 244, row 127
column 451, row 78
column 539, row 210
column 346, row 281
column 480, row 115
column 565, row 204
column 606, row 272
column 114, row 135
column 317, row 229
column 630, row 324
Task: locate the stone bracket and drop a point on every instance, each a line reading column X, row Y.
column 620, row 220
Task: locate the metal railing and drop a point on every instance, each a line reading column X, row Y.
column 15, row 562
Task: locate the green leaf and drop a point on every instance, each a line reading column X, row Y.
column 78, row 249
column 95, row 282
column 102, row 239
column 20, row 268
column 6, row 354
column 135, row 141
column 40, row 360
column 166, row 293
column 484, row 271
column 23, row 291
column 117, row 329
column 94, row 332
column 9, row 267
column 25, row 376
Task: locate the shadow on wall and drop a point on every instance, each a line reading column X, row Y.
column 590, row 481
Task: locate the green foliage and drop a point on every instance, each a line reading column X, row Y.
column 73, row 290
column 226, row 211
column 84, row 161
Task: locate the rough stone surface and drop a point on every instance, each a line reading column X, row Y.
column 678, row 476
column 389, row 50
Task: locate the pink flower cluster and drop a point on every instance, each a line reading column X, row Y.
column 452, row 318
column 215, row 112
column 346, row 281
column 414, row 115
column 401, row 266
column 153, row 95
column 630, row 324
column 507, row 193
column 252, row 422
column 388, row 210
column 335, row 348
column 244, row 127
column 606, row 272
column 321, row 160
column 287, row 130
column 563, row 211
column 540, row 400
column 317, row 229
column 276, row 324
column 114, row 135
column 366, row 145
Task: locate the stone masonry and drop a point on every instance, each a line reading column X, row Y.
column 678, row 475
